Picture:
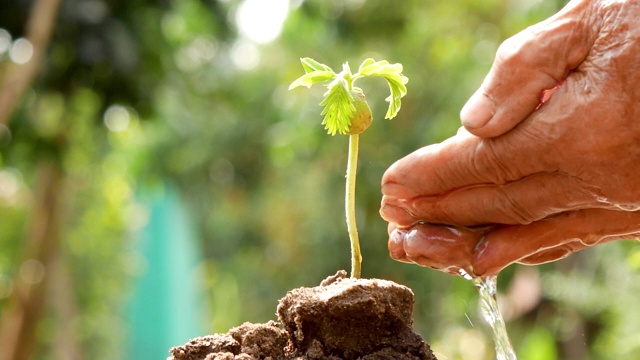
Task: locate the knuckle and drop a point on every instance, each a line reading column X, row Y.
column 490, row 164
column 514, row 211
column 511, row 52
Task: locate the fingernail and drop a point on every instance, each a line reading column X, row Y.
column 477, row 112
column 398, row 235
column 397, row 191
column 397, row 213
column 396, row 245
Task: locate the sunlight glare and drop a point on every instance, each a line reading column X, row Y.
column 261, row 20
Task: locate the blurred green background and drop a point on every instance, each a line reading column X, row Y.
column 158, row 181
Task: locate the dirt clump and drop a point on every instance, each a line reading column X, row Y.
column 342, row 319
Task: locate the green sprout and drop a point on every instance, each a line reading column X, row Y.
column 347, row 112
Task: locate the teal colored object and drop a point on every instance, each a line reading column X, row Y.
column 166, row 309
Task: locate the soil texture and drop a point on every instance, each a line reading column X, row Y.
column 343, row 318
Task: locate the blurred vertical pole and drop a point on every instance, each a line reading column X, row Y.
column 24, row 307
column 22, row 312
column 61, row 291
column 20, row 76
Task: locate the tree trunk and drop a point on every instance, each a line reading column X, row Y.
column 65, row 308
column 19, row 320
column 20, row 76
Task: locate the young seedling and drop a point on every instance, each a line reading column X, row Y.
column 346, row 112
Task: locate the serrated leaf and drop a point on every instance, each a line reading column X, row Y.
column 312, row 78
column 398, row 90
column 338, row 108
column 338, row 103
column 394, row 99
column 374, row 68
column 310, row 65
column 393, row 74
column 365, row 63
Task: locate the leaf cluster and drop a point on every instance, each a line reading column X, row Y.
column 338, row 100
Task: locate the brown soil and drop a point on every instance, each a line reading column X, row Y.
column 343, row 318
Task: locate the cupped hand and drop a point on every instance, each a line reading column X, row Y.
column 529, row 166
column 487, row 250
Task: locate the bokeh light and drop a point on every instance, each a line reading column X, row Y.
column 261, row 21
column 21, row 51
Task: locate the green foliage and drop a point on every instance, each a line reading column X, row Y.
column 339, row 107
column 393, row 74
column 338, row 102
column 258, row 177
column 539, row 344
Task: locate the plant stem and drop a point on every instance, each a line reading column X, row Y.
column 350, row 206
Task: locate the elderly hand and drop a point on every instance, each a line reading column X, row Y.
column 548, row 161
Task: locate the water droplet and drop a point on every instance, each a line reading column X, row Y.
column 465, row 274
column 627, row 207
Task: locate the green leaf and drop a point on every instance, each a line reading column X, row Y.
column 338, row 108
column 310, row 65
column 338, row 102
column 311, row 78
column 398, row 90
column 393, row 74
column 315, row 72
column 366, row 63
column 369, row 68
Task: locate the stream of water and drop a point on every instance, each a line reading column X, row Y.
column 487, row 288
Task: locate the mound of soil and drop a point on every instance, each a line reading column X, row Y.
column 343, row 318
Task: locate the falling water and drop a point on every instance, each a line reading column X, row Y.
column 487, row 288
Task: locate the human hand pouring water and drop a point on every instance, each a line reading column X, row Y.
column 548, row 160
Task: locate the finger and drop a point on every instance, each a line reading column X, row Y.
column 515, row 178
column 395, row 245
column 552, row 238
column 553, row 254
column 396, row 213
column 443, row 248
column 520, row 202
column 536, row 59
column 466, row 159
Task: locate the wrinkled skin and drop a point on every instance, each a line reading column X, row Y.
column 548, row 160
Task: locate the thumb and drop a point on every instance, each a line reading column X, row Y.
column 536, row 59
